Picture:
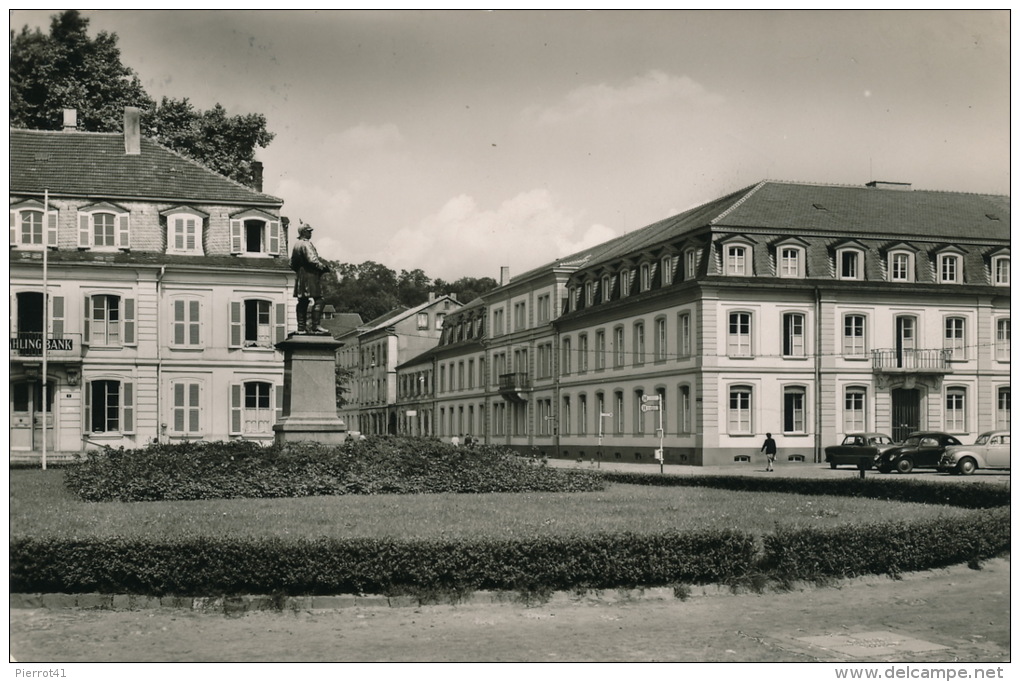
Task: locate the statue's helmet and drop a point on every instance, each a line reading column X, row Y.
column 305, row 229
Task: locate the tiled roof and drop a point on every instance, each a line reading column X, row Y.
column 95, row 165
column 152, row 258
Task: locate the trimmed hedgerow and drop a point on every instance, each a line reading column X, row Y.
column 239, row 469
column 969, row 496
column 204, row 566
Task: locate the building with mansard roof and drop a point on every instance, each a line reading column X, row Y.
column 165, row 289
column 804, row 310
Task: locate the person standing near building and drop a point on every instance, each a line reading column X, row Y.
column 769, row 448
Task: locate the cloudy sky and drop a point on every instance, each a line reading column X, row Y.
column 458, row 142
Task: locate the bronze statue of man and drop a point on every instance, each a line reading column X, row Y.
column 304, row 260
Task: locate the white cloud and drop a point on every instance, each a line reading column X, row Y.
column 652, row 88
column 364, row 136
column 464, row 240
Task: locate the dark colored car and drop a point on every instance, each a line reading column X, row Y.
column 858, row 449
column 920, row 450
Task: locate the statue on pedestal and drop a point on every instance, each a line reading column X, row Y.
column 304, row 260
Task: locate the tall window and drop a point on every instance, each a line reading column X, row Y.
column 565, row 416
column 618, row 347
column 738, row 342
column 1002, row 341
column 850, row 264
column 853, row 335
column 607, row 289
column 956, row 409
column 736, row 260
column 793, row 334
column 600, row 349
column 109, row 406
column 187, row 324
column 567, row 355
column 901, row 267
column 955, row 342
column 600, row 409
column 690, row 264
column 684, row 407
column 251, row 408
column 855, row 401
column 949, row 268
column 1002, row 408
column 104, row 229
column 639, row 343
column 109, row 320
column 422, row 320
column 498, row 321
column 639, row 415
column 104, row 226
column 187, row 408
column 791, row 261
column 739, row 415
column 793, row 409
column 544, row 303
column 660, row 339
column 520, row 316
column 257, row 323
column 684, row 343
column 1000, row 271
column 646, row 277
column 545, row 360
column 624, row 283
column 31, row 227
column 589, row 294
column 582, row 353
column 666, row 266
column 582, row 414
column 620, row 419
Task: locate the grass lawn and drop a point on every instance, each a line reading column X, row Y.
column 41, row 506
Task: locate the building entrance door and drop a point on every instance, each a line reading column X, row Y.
column 906, row 412
column 29, row 421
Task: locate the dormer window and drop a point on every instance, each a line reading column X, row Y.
column 606, row 288
column 104, row 227
column 254, row 232
column 667, row 270
column 589, row 294
column 950, row 270
column 901, row 266
column 736, row 260
column 1000, row 271
column 30, row 227
column 184, row 231
column 690, row 264
column 791, row 261
column 624, row 283
column 646, row 277
column 850, row 264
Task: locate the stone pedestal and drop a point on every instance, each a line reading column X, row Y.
column 309, row 391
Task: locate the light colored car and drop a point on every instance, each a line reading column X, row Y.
column 989, row 451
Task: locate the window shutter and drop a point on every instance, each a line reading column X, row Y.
column 236, row 327
column 194, row 419
column 14, row 228
column 274, row 237
column 57, row 317
column 87, row 426
column 279, row 402
column 179, row 407
column 51, row 229
column 87, row 318
column 235, row 409
column 194, row 326
column 128, row 409
column 280, row 327
column 129, row 322
column 123, row 231
column 179, row 322
column 236, row 236
column 84, row 240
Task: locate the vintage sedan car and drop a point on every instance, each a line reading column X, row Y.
column 858, row 449
column 989, row 451
column 920, row 450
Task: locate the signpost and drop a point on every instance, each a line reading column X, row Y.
column 602, row 415
column 653, row 403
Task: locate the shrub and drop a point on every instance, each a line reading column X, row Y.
column 387, row 464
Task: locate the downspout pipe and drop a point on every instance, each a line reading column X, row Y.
column 818, row 375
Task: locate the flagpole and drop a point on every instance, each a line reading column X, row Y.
column 46, row 318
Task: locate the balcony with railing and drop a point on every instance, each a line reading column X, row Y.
column 915, row 362
column 514, row 386
column 28, row 347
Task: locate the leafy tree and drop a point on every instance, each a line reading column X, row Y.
column 466, row 289
column 413, row 287
column 66, row 69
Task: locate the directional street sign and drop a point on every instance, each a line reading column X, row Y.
column 649, row 408
column 650, row 398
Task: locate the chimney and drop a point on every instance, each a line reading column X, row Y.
column 504, row 275
column 256, row 175
column 70, row 120
column 132, row 131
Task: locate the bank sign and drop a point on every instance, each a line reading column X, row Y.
column 28, row 345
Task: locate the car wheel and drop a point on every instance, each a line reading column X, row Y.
column 832, row 465
column 966, row 466
column 904, row 466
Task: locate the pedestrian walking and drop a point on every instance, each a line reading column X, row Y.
column 769, row 448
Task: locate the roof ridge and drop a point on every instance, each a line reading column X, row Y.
column 749, row 191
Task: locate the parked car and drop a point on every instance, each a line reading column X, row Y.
column 920, row 450
column 858, row 449
column 989, row 451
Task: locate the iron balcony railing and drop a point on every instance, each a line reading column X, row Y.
column 515, row 381
column 910, row 360
column 29, row 345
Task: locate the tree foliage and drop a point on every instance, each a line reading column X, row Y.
column 68, row 70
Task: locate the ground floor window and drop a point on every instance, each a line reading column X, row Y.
column 956, row 413
column 1002, row 409
column 739, row 417
column 109, row 406
column 254, row 407
column 793, row 410
column 854, row 419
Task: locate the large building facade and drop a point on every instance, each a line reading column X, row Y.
column 807, row 311
column 165, row 289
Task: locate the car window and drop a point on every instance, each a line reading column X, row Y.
column 929, row 442
column 912, row 441
column 881, row 440
column 952, row 441
column 1005, row 440
column 983, row 439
